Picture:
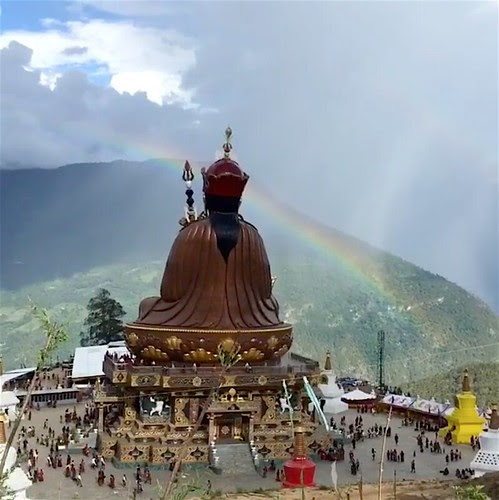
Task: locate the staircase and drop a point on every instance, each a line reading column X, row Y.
column 235, row 459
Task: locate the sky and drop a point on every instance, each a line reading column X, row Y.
column 377, row 118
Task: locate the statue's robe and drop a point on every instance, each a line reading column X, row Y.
column 200, row 289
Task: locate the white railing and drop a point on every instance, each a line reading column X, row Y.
column 213, row 457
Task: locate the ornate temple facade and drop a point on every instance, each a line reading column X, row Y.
column 209, row 357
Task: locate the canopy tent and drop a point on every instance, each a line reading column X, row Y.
column 14, row 374
column 8, row 399
column 88, row 361
column 426, row 406
column 8, row 403
column 357, row 395
column 397, row 400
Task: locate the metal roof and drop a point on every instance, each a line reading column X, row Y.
column 13, row 374
column 88, row 361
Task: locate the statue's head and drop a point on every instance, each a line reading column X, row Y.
column 224, row 182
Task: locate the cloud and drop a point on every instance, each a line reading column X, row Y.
column 137, row 59
column 370, row 117
column 377, row 118
column 78, row 121
column 127, row 8
column 72, row 51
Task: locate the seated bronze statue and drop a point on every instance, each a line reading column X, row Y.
column 216, row 289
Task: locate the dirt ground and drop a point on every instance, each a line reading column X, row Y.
column 407, row 490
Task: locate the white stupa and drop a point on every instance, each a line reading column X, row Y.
column 331, row 392
column 487, row 458
column 17, row 482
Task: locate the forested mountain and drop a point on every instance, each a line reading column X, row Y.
column 69, row 231
column 484, row 379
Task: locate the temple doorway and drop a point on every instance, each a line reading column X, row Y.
column 231, row 428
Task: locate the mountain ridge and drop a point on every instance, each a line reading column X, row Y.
column 112, row 225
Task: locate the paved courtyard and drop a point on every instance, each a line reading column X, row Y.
column 428, row 465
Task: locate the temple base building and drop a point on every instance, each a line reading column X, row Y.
column 149, row 411
column 209, row 361
column 464, row 422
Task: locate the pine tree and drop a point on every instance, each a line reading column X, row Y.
column 104, row 321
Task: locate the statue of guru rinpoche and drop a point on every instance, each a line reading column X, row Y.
column 216, row 289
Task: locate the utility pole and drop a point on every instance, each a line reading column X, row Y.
column 381, row 358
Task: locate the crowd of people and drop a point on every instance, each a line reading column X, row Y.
column 72, row 423
column 55, row 436
column 355, row 432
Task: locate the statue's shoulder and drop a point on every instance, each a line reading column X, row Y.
column 248, row 226
column 196, row 230
column 195, row 225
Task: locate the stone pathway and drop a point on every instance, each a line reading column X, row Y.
column 57, row 487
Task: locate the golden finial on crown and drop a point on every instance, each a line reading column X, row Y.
column 227, row 147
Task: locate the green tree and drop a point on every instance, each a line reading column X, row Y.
column 104, row 321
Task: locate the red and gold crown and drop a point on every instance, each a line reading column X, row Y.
column 225, row 177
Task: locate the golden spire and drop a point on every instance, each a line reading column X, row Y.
column 327, row 364
column 3, row 420
column 466, row 382
column 227, row 147
column 299, row 451
column 494, row 419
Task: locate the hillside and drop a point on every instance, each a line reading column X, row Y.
column 442, row 386
column 329, row 310
column 69, row 231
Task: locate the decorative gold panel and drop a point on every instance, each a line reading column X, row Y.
column 145, row 380
column 180, row 416
column 269, row 415
column 108, row 447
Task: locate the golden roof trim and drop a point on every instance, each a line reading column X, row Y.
column 135, row 326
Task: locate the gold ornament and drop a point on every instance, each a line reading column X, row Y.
column 173, row 343
column 272, row 342
column 252, row 355
column 132, row 339
column 228, row 345
column 200, row 355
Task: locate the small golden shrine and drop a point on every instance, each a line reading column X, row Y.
column 209, row 357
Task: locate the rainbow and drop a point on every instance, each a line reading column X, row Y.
column 342, row 249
